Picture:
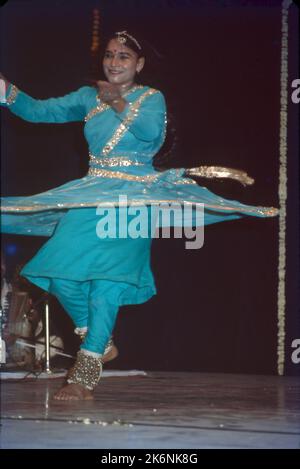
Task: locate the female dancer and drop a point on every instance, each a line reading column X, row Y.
column 90, row 274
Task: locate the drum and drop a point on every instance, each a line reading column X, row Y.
column 19, row 326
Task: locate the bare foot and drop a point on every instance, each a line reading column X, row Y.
column 111, row 354
column 73, row 392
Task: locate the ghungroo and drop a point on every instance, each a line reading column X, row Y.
column 86, row 371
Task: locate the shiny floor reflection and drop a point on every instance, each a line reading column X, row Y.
column 160, row 410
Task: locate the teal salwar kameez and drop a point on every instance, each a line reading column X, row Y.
column 93, row 277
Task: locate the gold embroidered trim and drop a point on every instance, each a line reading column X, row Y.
column 86, row 371
column 164, row 132
column 101, row 107
column 123, row 127
column 120, row 175
column 265, row 211
column 114, row 161
column 98, row 109
column 220, row 172
column 12, row 95
column 184, row 181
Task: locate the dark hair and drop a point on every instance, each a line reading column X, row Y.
column 129, row 41
column 166, row 154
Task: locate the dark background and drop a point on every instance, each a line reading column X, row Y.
column 216, row 308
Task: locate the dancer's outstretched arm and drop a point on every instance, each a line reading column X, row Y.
column 68, row 108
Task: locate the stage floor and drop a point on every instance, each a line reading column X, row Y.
column 159, row 410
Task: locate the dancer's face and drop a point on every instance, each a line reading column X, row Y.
column 120, row 63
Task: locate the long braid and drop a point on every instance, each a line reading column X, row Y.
column 167, row 152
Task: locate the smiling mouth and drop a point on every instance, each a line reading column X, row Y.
column 115, row 72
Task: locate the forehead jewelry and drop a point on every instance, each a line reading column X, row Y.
column 121, row 38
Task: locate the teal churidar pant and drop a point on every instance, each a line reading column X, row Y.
column 92, row 304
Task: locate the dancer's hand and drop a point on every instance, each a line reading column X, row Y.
column 108, row 92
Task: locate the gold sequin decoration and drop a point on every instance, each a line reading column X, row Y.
column 98, row 109
column 265, row 211
column 123, row 127
column 221, row 172
column 114, row 161
column 86, row 371
column 120, row 175
column 12, row 95
column 185, row 181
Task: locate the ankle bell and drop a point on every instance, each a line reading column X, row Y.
column 86, row 370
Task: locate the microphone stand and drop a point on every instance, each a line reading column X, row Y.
column 45, row 297
column 47, row 338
